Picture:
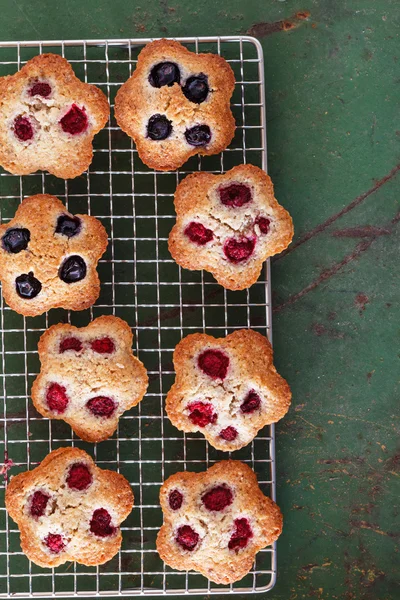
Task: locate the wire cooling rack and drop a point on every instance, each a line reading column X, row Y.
column 161, row 302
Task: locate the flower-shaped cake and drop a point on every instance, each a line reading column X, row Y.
column 229, row 225
column 89, row 376
column 176, row 104
column 48, row 257
column 69, row 509
column 48, row 118
column 226, row 388
column 215, row 522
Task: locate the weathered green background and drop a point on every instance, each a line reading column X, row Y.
column 333, row 132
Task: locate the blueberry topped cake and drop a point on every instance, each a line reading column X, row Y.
column 67, row 509
column 176, row 104
column 48, row 257
column 89, row 376
column 228, row 225
column 216, row 521
column 226, row 388
column 48, row 118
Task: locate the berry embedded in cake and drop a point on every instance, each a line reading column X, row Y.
column 228, row 225
column 226, row 388
column 48, row 257
column 89, row 376
column 68, row 509
column 176, row 104
column 48, row 118
column 216, row 521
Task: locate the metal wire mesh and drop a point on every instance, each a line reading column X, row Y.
column 161, row 302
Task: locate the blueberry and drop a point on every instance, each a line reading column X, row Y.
column 15, row 240
column 27, row 286
column 68, row 226
column 73, row 269
column 165, row 73
column 199, row 135
column 196, row 88
column 159, row 127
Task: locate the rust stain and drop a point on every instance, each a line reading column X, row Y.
column 264, row 28
column 356, row 202
column 373, row 527
column 361, row 232
column 369, row 375
column 303, row 14
column 340, row 461
column 319, row 329
column 360, row 302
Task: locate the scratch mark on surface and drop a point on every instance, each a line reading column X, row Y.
column 325, row 275
column 27, row 18
column 328, row 273
column 361, row 232
column 356, row 202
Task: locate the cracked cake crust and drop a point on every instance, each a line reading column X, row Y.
column 197, row 200
column 230, row 408
column 85, row 374
column 45, row 254
column 137, row 101
column 68, row 512
column 215, row 555
column 49, row 148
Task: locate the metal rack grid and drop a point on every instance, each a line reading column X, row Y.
column 161, row 302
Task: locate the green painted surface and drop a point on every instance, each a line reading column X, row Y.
column 333, row 134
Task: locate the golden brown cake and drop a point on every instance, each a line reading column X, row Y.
column 226, row 388
column 215, row 522
column 48, row 118
column 89, row 376
column 69, row 509
column 176, row 104
column 229, row 225
column 48, row 257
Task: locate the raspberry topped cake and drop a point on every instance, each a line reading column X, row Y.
column 226, row 388
column 176, row 104
column 67, row 509
column 215, row 522
column 89, row 376
column 48, row 257
column 228, row 225
column 48, row 118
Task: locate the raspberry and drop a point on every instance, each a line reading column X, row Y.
column 23, row 129
column 38, row 504
column 75, row 121
column 214, row 363
column 263, row 224
column 101, row 406
column 100, row 523
column 228, row 434
column 241, row 535
column 198, row 234
column 40, row 88
column 235, row 195
column 175, row 499
column 70, row 343
column 103, row 345
column 202, row 414
column 79, row 477
column 239, row 250
column 218, row 498
column 187, row 537
column 56, row 398
column 55, row 543
column 251, row 403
